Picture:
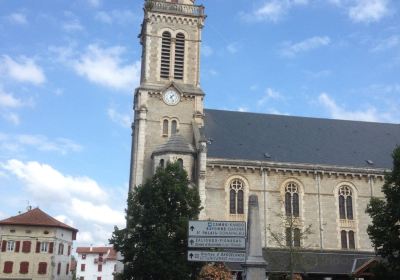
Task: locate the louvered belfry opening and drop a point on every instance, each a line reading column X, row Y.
column 165, row 55
column 179, row 56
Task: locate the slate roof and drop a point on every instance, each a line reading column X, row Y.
column 109, row 252
column 175, row 144
column 313, row 261
column 36, row 217
column 288, row 139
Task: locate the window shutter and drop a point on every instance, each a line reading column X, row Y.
column 26, row 246
column 4, row 246
column 8, row 267
column 37, row 247
column 24, row 267
column 67, row 269
column 69, row 250
column 179, row 56
column 17, row 245
column 165, row 55
column 58, row 268
column 51, row 247
column 42, row 268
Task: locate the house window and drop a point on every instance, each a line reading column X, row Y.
column 293, row 237
column 67, row 269
column 42, row 268
column 58, row 268
column 292, row 200
column 348, row 239
column 8, row 267
column 179, row 56
column 83, row 256
column 60, row 249
column 236, row 197
column 81, row 278
column 24, row 267
column 44, row 247
column 165, row 55
column 83, row 267
column 161, row 163
column 98, row 277
column 100, row 267
column 345, row 203
column 10, row 246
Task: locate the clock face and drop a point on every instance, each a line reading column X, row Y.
column 171, row 97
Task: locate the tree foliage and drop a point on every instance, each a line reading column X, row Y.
column 154, row 243
column 385, row 228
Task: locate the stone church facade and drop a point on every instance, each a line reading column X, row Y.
column 321, row 173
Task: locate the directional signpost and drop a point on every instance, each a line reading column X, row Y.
column 217, row 235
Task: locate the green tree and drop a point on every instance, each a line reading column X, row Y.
column 154, row 243
column 385, row 228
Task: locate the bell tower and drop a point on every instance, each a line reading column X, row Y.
column 168, row 103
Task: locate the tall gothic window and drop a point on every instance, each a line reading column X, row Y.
column 165, row 55
column 293, row 237
column 236, row 197
column 348, row 239
column 292, row 200
column 179, row 56
column 345, row 203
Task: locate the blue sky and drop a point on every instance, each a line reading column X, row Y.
column 68, row 70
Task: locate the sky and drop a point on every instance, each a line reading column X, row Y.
column 68, row 70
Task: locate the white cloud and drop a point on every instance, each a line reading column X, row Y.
column 269, row 94
column 100, row 213
column 45, row 183
column 119, row 118
column 291, row 49
column 274, row 10
column 232, row 48
column 388, row 43
column 85, row 237
column 94, row 3
column 11, row 117
column 23, row 70
column 243, row 109
column 19, row 142
column 72, row 25
column 64, row 219
column 116, row 16
column 207, row 50
column 17, row 18
column 368, row 10
column 7, row 100
column 336, row 111
column 107, row 68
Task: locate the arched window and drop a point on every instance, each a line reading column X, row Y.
column 345, row 203
column 343, row 237
column 293, row 237
column 292, row 200
column 174, row 127
column 236, row 197
column 179, row 56
column 165, row 128
column 180, row 163
column 165, row 55
column 352, row 243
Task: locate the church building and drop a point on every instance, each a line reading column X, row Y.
column 320, row 173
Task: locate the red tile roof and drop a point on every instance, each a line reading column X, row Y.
column 36, row 217
column 112, row 254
